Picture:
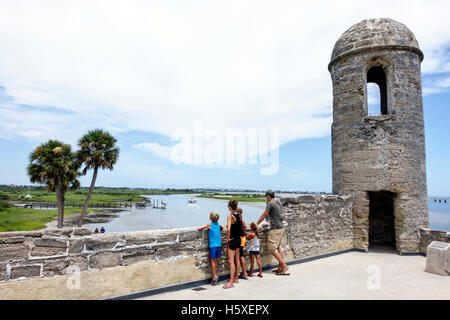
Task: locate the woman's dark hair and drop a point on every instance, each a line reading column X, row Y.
column 233, row 204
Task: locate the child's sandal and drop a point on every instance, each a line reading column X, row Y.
column 214, row 282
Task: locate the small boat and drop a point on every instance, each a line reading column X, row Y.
column 141, row 204
column 192, row 200
column 159, row 205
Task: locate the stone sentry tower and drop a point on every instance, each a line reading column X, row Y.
column 380, row 159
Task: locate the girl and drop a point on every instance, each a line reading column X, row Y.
column 215, row 244
column 241, row 249
column 253, row 247
column 234, row 234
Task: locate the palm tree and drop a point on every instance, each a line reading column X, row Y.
column 97, row 150
column 53, row 163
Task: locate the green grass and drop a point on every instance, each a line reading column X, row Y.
column 21, row 219
column 236, row 196
column 79, row 195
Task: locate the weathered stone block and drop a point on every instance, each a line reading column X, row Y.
column 47, row 251
column 80, row 261
column 167, row 238
column 2, row 272
column 104, row 259
column 13, row 234
column 130, row 256
column 171, row 251
column 436, row 258
column 9, row 252
column 19, row 239
column 49, row 242
column 55, row 266
column 25, row 271
column 189, row 235
column 81, row 232
column 289, row 200
column 48, row 247
column 139, row 238
column 76, row 245
column 57, row 232
column 105, row 241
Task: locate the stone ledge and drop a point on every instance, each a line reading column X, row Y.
column 312, row 198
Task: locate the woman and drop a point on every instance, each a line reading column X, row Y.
column 234, row 233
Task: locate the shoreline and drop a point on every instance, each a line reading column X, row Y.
column 71, row 220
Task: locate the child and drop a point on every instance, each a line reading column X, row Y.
column 253, row 248
column 215, row 243
column 241, row 249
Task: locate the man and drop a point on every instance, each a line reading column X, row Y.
column 274, row 213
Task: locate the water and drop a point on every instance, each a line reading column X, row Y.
column 181, row 214
column 439, row 213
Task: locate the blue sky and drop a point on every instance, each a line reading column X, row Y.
column 144, row 70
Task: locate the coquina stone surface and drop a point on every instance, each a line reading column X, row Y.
column 385, row 153
column 318, row 224
column 314, row 225
column 427, row 236
column 438, row 254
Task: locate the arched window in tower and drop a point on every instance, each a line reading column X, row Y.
column 377, row 100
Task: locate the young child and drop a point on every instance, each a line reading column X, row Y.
column 253, row 248
column 241, row 249
column 215, row 243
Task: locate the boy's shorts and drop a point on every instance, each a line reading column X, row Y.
column 254, row 252
column 215, row 252
column 241, row 251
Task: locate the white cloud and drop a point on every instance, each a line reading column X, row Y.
column 160, row 66
column 156, row 149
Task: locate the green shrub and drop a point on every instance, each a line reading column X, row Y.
column 4, row 205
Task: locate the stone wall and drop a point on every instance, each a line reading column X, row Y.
column 318, row 224
column 314, row 224
column 427, row 236
column 52, row 252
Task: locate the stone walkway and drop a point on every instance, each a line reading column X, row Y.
column 348, row 276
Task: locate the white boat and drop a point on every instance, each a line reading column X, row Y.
column 192, row 200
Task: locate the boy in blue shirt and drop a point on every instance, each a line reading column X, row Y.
column 215, row 244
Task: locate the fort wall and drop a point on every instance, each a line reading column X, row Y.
column 75, row 264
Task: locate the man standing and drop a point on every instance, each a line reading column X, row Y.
column 274, row 211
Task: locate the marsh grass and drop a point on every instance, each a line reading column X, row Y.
column 22, row 219
column 236, row 196
column 79, row 195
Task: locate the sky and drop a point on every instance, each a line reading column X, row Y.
column 147, row 71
